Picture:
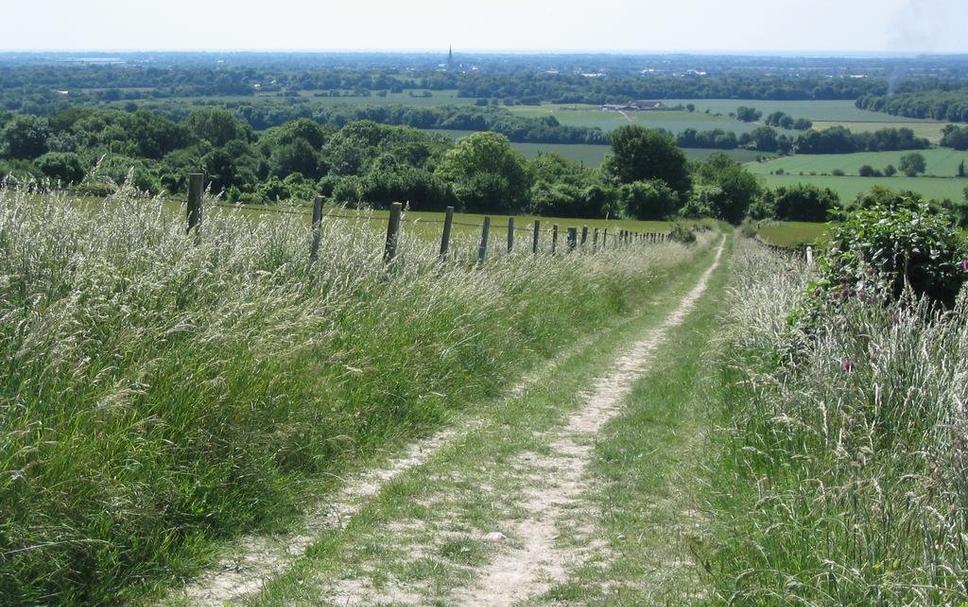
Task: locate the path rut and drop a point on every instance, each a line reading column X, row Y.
column 560, row 478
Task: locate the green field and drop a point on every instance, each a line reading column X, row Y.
column 823, row 113
column 426, row 225
column 791, row 233
column 941, row 162
column 850, row 186
column 593, row 155
column 674, row 121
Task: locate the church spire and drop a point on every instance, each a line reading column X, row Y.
column 450, row 56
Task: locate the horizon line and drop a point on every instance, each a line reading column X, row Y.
column 832, row 53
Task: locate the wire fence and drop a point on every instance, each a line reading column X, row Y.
column 573, row 238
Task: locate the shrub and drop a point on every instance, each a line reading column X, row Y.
column 682, row 233
column 882, row 250
column 650, row 199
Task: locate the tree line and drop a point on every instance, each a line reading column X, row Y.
column 936, row 104
column 364, row 163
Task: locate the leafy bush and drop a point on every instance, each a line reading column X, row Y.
column 649, row 199
column 882, row 250
column 682, row 233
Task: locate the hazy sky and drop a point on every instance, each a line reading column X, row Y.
column 611, row 25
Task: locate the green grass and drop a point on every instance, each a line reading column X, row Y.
column 160, row 395
column 830, row 486
column 418, row 534
column 849, row 187
column 941, row 162
column 428, row 225
column 823, row 113
column 670, row 120
column 791, row 233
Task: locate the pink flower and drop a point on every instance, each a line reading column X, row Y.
column 964, row 265
column 846, row 364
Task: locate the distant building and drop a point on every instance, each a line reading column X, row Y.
column 634, row 106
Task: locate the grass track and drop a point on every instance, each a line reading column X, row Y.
column 424, row 529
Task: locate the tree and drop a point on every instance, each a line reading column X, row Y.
column 65, row 167
column 866, row 170
column 748, row 114
column 218, row 126
column 801, row 202
column 890, row 170
column 486, row 174
column 961, row 169
column 640, row 154
column 26, row 137
column 913, row 164
column 764, row 139
column 296, row 156
column 736, row 187
column 651, row 199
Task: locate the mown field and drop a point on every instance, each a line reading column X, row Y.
column 791, row 233
column 849, row 187
column 823, row 113
column 674, row 121
column 941, row 162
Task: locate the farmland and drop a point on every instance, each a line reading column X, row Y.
column 674, row 121
column 849, row 187
column 823, row 114
column 790, row 233
column 293, row 396
column 941, row 162
column 427, row 225
column 593, row 155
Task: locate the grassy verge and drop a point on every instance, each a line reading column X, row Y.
column 159, row 395
column 837, row 476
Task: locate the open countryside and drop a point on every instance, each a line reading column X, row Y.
column 491, row 328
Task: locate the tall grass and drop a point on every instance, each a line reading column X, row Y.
column 156, row 395
column 842, row 476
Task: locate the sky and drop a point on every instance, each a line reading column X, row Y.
column 737, row 26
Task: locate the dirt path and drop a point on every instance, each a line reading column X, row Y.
column 559, row 478
column 554, row 480
column 255, row 559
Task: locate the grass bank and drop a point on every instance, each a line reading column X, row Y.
column 838, row 474
column 159, row 395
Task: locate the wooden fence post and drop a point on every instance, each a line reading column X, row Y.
column 485, row 234
column 393, row 233
column 510, row 234
column 317, row 228
column 572, row 238
column 584, row 235
column 595, row 240
column 196, row 191
column 605, row 238
column 554, row 238
column 534, row 238
column 445, row 237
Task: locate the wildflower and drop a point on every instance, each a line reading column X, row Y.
column 846, row 364
column 964, row 265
